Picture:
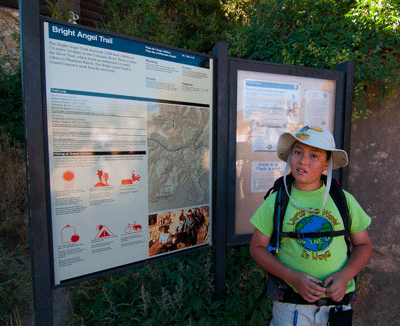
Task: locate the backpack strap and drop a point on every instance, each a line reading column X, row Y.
column 281, row 203
column 340, row 201
column 313, row 235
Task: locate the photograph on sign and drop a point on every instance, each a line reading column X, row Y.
column 129, row 132
column 268, row 105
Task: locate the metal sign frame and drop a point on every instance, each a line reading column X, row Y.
column 341, row 122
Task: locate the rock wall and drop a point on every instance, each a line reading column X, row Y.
column 9, row 28
column 374, row 180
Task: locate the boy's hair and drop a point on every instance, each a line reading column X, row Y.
column 328, row 155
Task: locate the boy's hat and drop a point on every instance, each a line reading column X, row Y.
column 313, row 136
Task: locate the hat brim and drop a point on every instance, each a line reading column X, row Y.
column 287, row 139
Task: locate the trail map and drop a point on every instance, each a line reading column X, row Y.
column 179, row 158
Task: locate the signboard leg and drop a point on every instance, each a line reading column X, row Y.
column 31, row 86
column 348, row 68
column 221, row 158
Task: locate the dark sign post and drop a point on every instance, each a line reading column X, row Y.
column 348, row 69
column 221, row 175
column 35, row 149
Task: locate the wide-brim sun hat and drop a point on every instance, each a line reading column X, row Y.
column 319, row 138
column 313, row 136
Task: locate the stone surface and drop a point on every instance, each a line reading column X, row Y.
column 375, row 182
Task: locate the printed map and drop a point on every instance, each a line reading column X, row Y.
column 178, row 156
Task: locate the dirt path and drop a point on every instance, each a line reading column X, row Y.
column 379, row 302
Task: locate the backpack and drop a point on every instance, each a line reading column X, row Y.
column 276, row 288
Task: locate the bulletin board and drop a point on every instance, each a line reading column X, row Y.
column 266, row 101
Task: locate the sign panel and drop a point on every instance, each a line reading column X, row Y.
column 129, row 141
column 269, row 104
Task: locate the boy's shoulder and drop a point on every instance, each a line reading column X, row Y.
column 349, row 197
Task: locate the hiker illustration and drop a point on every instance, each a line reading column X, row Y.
column 103, row 179
column 303, row 232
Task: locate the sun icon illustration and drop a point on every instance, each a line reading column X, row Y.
column 68, row 176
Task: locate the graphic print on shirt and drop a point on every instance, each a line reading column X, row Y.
column 314, row 223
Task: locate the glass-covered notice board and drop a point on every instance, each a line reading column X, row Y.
column 266, row 101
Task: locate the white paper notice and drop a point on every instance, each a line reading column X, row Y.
column 272, row 106
column 264, row 174
column 317, row 108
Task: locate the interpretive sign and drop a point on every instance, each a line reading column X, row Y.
column 129, row 133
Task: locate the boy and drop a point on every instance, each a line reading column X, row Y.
column 318, row 269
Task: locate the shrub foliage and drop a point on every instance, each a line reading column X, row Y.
column 179, row 291
column 308, row 33
column 324, row 33
column 11, row 113
column 192, row 24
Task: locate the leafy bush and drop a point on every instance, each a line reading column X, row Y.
column 175, row 292
column 59, row 9
column 192, row 24
column 15, row 286
column 324, row 33
column 11, row 112
column 13, row 199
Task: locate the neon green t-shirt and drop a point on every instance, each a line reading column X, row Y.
column 319, row 257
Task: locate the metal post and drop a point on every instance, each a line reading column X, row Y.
column 220, row 160
column 35, row 158
column 348, row 68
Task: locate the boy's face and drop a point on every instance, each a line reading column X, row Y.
column 307, row 164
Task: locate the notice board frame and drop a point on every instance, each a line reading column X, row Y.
column 342, row 77
column 45, row 216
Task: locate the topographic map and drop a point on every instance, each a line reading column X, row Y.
column 178, row 156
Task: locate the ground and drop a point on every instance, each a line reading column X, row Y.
column 378, row 302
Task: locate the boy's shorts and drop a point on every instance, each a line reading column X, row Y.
column 307, row 315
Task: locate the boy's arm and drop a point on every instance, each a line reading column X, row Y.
column 305, row 284
column 359, row 257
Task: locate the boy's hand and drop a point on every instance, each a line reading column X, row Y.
column 308, row 287
column 336, row 286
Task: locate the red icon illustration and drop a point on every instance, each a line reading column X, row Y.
column 68, row 176
column 132, row 227
column 68, row 234
column 103, row 232
column 130, row 181
column 103, row 179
